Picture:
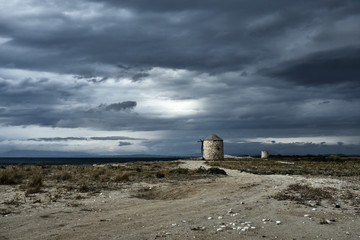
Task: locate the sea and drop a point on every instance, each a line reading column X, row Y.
column 79, row 160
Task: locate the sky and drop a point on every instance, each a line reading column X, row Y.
column 123, row 77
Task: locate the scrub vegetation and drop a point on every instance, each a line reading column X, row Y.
column 92, row 178
column 332, row 165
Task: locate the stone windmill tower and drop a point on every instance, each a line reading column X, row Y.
column 264, row 154
column 212, row 148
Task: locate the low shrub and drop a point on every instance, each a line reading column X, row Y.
column 215, row 170
column 63, row 176
column 179, row 171
column 122, row 177
column 8, row 176
column 35, row 184
column 346, row 166
column 84, row 187
column 201, row 170
column 160, row 175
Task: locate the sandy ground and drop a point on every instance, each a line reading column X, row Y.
column 238, row 206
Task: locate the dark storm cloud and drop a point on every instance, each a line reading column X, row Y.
column 140, row 76
column 116, row 138
column 328, row 67
column 58, row 139
column 120, row 106
column 38, row 92
column 253, row 113
column 261, row 118
column 33, row 116
column 114, row 107
column 79, row 117
column 206, row 35
column 121, row 143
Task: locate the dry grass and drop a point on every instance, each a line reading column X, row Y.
column 93, row 178
column 307, row 195
column 303, row 194
column 35, row 183
column 306, row 165
column 173, row 192
column 9, row 175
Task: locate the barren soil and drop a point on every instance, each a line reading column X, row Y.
column 237, row 206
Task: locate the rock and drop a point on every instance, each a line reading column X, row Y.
column 198, row 228
column 330, row 221
column 105, row 220
column 278, row 222
column 326, row 221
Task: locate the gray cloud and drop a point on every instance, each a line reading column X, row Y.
column 328, row 67
column 120, row 106
column 116, row 138
column 58, row 139
column 140, row 76
column 77, row 117
column 122, row 143
column 114, row 107
column 206, row 36
column 39, row 92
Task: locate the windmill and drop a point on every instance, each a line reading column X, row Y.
column 212, row 148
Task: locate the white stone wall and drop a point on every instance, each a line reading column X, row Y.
column 213, row 150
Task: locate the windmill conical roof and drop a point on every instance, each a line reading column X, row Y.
column 212, row 137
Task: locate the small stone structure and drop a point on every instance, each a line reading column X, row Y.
column 213, row 148
column 264, row 154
